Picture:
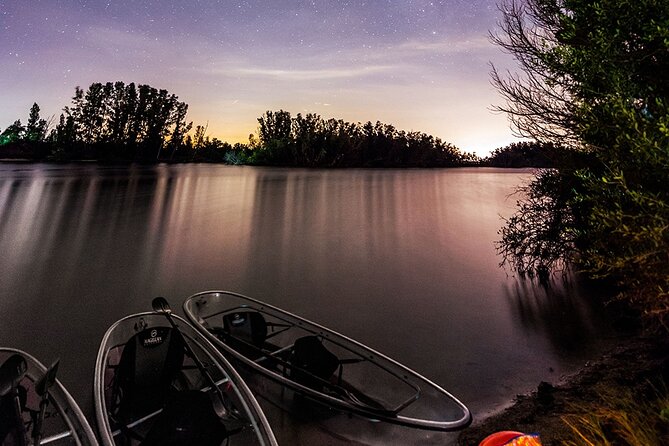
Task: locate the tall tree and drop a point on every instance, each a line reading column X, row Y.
column 36, row 127
column 594, row 75
column 12, row 133
column 275, row 136
column 135, row 121
column 181, row 127
column 93, row 114
column 65, row 132
column 309, row 148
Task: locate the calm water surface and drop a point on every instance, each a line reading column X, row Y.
column 401, row 260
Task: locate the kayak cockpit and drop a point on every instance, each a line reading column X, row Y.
column 159, row 385
column 302, row 356
column 323, row 364
column 34, row 406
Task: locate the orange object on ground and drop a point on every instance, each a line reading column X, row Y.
column 511, row 438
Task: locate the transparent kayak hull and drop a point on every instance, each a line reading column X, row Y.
column 64, row 423
column 322, row 364
column 185, row 400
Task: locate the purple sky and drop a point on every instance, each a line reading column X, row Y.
column 419, row 65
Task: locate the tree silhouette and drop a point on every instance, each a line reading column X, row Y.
column 12, row 133
column 124, row 121
column 309, row 140
column 36, row 128
column 593, row 76
column 118, row 122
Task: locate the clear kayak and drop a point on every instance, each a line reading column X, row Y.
column 158, row 381
column 35, row 408
column 322, row 364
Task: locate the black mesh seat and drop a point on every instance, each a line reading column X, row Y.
column 149, row 364
column 12, row 429
column 247, row 326
column 312, row 362
column 144, row 383
column 12, row 402
column 244, row 331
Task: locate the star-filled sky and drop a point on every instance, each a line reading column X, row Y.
column 417, row 64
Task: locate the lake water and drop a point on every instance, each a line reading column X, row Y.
column 401, row 260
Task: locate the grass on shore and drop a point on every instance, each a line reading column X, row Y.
column 621, row 418
column 619, row 400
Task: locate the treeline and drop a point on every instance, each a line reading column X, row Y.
column 527, row 154
column 111, row 121
column 309, row 140
column 118, row 122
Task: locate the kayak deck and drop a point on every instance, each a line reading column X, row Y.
column 322, row 364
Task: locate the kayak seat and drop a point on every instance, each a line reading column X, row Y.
column 150, row 362
column 12, row 427
column 312, row 363
column 187, row 419
column 247, row 326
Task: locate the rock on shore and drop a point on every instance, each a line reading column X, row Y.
column 639, row 364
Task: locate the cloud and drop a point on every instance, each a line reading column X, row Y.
column 309, row 74
column 123, row 39
column 447, row 46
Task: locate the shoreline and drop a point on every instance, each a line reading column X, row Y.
column 638, row 364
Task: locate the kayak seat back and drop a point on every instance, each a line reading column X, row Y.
column 12, row 427
column 150, row 362
column 312, row 362
column 248, row 326
column 13, row 397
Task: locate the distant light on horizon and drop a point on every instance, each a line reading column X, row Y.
column 420, row 66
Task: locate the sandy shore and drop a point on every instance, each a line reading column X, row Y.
column 636, row 364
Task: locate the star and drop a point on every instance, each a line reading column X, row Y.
column 417, row 64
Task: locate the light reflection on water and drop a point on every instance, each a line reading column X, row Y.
column 402, row 260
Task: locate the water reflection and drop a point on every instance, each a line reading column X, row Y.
column 402, row 260
column 560, row 312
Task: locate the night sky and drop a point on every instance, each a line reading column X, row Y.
column 419, row 65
